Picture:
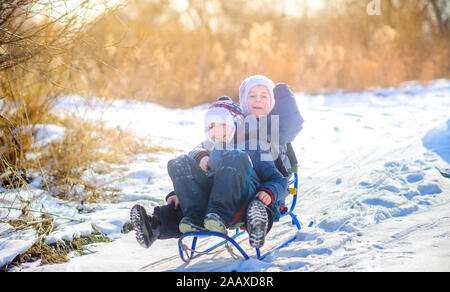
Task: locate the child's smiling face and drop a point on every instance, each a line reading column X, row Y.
column 220, row 132
column 258, row 100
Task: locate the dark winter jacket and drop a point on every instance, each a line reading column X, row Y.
column 265, row 175
column 290, row 122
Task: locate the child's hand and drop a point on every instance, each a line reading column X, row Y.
column 264, row 197
column 204, row 163
column 173, row 199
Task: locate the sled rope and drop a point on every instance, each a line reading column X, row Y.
column 186, row 249
column 230, row 250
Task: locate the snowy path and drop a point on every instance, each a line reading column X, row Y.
column 369, row 181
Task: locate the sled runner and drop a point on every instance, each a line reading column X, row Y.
column 188, row 254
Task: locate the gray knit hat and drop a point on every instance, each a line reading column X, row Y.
column 248, row 84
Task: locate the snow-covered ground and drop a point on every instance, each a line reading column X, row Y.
column 370, row 182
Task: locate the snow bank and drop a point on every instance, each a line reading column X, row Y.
column 14, row 243
column 369, row 181
column 438, row 141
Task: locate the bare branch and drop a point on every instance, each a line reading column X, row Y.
column 437, row 12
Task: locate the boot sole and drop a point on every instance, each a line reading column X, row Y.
column 214, row 226
column 257, row 221
column 185, row 228
column 139, row 220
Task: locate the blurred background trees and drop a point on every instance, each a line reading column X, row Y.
column 182, row 53
column 40, row 60
column 186, row 52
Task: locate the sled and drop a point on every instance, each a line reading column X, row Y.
column 187, row 254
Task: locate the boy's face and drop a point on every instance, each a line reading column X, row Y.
column 258, row 100
column 220, row 132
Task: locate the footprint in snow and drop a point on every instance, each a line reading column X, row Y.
column 414, row 177
column 429, row 189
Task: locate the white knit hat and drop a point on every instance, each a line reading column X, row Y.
column 248, row 84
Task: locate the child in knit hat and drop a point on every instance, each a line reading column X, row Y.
column 165, row 221
column 256, row 95
column 259, row 97
column 223, row 118
column 243, row 183
column 231, row 189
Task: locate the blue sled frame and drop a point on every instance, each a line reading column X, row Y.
column 231, row 239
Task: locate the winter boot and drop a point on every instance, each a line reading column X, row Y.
column 187, row 224
column 214, row 223
column 147, row 227
column 257, row 223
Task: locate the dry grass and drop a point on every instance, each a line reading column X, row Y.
column 28, row 99
column 48, row 253
column 87, row 145
column 42, row 59
column 55, row 253
column 57, row 53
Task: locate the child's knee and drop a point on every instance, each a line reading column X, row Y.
column 177, row 165
column 235, row 157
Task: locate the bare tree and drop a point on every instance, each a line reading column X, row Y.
column 32, row 28
column 20, row 30
column 40, row 43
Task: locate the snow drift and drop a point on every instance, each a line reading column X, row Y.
column 372, row 179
